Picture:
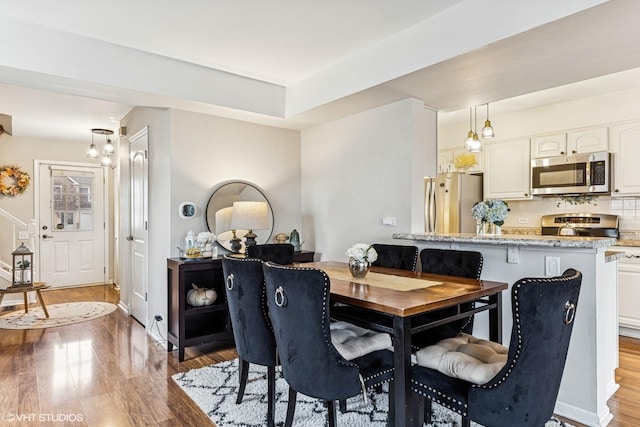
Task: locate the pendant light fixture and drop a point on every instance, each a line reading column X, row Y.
column 469, row 139
column 472, row 143
column 108, row 149
column 487, row 130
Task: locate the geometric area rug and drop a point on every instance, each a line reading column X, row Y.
column 59, row 315
column 214, row 389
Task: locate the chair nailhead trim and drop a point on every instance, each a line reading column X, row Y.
column 443, row 400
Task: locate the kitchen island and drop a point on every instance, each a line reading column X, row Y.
column 589, row 375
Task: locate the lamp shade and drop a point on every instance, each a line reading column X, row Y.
column 250, row 216
column 223, row 219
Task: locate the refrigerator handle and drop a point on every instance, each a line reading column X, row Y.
column 430, row 206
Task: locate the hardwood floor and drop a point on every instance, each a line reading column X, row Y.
column 108, row 372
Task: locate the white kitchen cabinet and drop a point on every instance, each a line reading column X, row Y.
column 590, row 140
column 629, row 292
column 626, row 149
column 551, row 145
column 507, row 166
column 578, row 141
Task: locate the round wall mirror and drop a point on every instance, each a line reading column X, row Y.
column 237, row 210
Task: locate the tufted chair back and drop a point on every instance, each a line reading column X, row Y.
column 451, row 262
column 396, row 256
column 524, row 391
column 280, row 253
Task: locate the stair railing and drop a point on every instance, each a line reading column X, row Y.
column 15, row 227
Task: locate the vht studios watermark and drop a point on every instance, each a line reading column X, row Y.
column 52, row 418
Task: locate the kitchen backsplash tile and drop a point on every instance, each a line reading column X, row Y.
column 527, row 213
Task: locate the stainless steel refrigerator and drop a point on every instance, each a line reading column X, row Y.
column 449, row 198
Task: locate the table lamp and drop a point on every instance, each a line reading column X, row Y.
column 250, row 216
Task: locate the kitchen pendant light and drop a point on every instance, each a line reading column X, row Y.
column 474, row 145
column 92, row 151
column 468, row 142
column 487, row 130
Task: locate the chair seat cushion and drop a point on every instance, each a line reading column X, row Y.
column 465, row 357
column 352, row 341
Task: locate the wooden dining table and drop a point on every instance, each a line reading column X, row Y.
column 401, row 299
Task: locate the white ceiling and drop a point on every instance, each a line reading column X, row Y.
column 465, row 55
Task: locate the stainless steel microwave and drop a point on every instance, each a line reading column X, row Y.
column 582, row 173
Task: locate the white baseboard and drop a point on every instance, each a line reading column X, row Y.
column 124, row 307
column 629, row 332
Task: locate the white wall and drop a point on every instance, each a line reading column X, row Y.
column 362, row 168
column 586, row 112
column 208, row 150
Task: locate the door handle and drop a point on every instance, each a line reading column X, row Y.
column 129, row 238
column 45, row 236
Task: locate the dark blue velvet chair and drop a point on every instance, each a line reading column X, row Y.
column 252, row 331
column 451, row 263
column 280, row 253
column 298, row 301
column 524, row 391
column 396, row 256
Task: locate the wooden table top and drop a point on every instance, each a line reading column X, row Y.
column 451, row 290
column 37, row 286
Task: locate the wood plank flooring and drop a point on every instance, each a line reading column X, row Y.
column 108, row 372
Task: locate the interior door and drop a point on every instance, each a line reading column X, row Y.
column 71, row 218
column 138, row 167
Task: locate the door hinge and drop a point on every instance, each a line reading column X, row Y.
column 146, row 154
column 145, row 297
column 145, row 225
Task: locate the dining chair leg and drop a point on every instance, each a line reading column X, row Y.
column 419, row 410
column 243, row 372
column 392, row 407
column 466, row 422
column 428, row 410
column 291, row 407
column 331, row 413
column 271, row 395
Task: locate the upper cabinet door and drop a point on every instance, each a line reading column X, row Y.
column 507, row 170
column 588, row 141
column 549, row 145
column 626, row 173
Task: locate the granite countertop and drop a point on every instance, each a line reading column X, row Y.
column 628, row 242
column 613, row 255
column 512, row 239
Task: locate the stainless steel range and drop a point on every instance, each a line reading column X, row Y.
column 580, row 224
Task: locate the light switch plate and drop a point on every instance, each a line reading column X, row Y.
column 513, row 255
column 551, row 266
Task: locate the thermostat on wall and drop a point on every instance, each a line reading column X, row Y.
column 187, row 210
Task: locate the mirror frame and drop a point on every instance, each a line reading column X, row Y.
column 223, row 197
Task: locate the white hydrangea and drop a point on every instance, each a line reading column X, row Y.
column 362, row 251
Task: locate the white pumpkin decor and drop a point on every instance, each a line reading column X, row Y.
column 199, row 297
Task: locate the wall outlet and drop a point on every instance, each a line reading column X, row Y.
column 523, row 220
column 513, row 255
column 551, row 266
column 390, row 220
column 23, row 235
column 158, row 317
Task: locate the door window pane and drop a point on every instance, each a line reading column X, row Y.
column 72, row 201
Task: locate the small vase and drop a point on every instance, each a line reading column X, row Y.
column 482, row 228
column 359, row 267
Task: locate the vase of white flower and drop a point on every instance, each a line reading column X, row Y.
column 490, row 215
column 361, row 255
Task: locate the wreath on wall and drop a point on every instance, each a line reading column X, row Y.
column 18, row 181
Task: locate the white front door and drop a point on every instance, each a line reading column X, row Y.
column 72, row 230
column 138, row 167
